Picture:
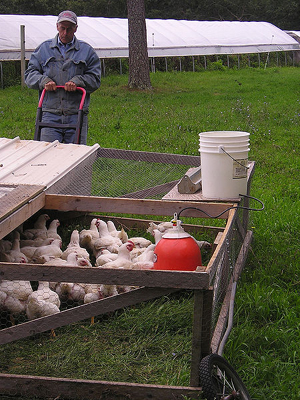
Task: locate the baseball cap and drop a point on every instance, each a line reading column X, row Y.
column 67, row 16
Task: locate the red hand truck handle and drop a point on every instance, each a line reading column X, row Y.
column 62, row 87
column 38, row 124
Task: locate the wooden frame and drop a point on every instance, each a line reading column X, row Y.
column 152, row 284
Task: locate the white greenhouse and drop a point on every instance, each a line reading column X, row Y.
column 166, row 38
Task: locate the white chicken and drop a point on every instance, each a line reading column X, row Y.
column 105, row 240
column 74, row 247
column 68, row 291
column 93, row 293
column 162, row 226
column 12, row 305
column 139, row 254
column 203, row 245
column 39, row 229
column 40, row 308
column 35, row 242
column 140, row 245
column 52, row 229
column 123, row 260
column 44, row 292
column 121, row 234
column 5, row 245
column 105, row 257
column 52, row 250
column 96, row 292
column 88, row 236
column 140, row 242
column 157, row 234
column 146, row 259
column 72, row 260
column 18, row 289
column 30, row 250
column 14, row 255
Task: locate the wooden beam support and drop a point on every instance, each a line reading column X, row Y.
column 79, row 389
column 134, row 206
column 18, row 203
column 109, row 276
column 80, row 313
column 203, row 300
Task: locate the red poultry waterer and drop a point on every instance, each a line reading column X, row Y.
column 177, row 250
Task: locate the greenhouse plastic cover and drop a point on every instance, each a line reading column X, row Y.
column 109, row 36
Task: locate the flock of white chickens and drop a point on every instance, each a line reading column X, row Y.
column 42, row 244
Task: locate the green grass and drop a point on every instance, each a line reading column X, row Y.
column 264, row 343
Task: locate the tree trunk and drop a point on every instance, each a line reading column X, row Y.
column 139, row 72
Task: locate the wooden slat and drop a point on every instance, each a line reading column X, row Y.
column 79, row 389
column 221, row 247
column 197, row 337
column 134, row 206
column 80, row 313
column 12, row 197
column 134, row 223
column 202, row 320
column 21, row 213
column 148, row 278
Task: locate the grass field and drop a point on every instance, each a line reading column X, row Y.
column 264, row 343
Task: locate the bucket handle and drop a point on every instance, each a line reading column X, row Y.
column 221, row 148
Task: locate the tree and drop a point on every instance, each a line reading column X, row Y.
column 139, row 72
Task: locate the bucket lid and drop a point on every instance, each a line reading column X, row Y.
column 224, row 134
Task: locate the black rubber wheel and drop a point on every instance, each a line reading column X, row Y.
column 219, row 381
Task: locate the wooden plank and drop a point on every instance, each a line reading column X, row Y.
column 134, row 223
column 79, row 389
column 207, row 322
column 217, row 240
column 148, row 278
column 162, row 158
column 221, row 247
column 197, row 337
column 15, row 196
column 242, row 257
column 80, row 313
column 202, row 320
column 135, row 206
column 16, row 218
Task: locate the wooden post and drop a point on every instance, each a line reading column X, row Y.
column 22, row 41
column 1, row 75
column 201, row 331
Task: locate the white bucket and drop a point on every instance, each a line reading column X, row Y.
column 224, row 163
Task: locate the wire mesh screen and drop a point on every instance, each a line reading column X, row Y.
column 227, row 271
column 125, row 173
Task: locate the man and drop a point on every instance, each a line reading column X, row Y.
column 68, row 62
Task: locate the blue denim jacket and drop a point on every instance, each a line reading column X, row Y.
column 80, row 65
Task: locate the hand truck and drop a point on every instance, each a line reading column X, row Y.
column 39, row 124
